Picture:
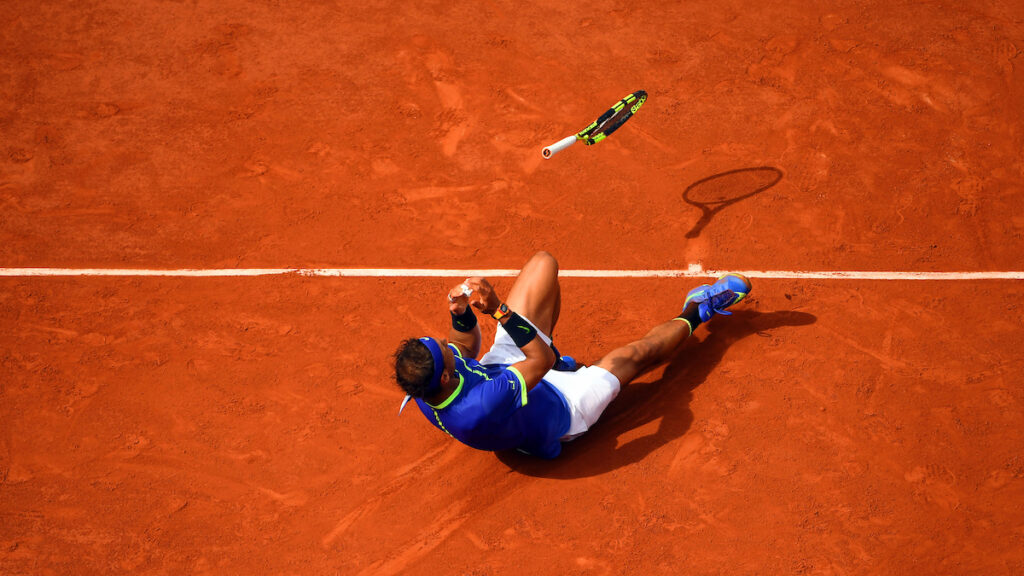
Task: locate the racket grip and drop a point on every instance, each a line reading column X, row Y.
column 559, row 146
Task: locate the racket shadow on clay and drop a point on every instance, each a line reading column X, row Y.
column 713, row 194
column 665, row 401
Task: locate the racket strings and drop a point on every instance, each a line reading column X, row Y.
column 612, row 119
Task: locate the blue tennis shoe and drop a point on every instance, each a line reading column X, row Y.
column 715, row 298
column 564, row 363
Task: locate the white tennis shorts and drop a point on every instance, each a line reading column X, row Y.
column 588, row 390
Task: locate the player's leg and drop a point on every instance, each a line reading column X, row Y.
column 664, row 340
column 657, row 346
column 591, row 389
column 535, row 294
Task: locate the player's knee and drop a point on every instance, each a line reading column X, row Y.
column 545, row 259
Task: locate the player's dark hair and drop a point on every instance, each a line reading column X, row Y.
column 414, row 367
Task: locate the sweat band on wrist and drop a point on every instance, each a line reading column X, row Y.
column 464, row 322
column 519, row 329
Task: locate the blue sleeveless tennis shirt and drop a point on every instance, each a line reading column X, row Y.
column 492, row 410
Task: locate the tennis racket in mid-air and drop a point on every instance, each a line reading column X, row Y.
column 603, row 127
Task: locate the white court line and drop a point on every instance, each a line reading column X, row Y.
column 694, row 271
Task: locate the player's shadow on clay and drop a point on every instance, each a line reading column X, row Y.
column 713, row 194
column 666, row 400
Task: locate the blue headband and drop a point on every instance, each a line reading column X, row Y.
column 435, row 379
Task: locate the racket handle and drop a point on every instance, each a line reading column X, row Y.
column 559, row 146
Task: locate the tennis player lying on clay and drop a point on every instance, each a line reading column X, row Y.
column 521, row 394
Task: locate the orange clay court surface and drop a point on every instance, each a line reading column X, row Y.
column 249, row 425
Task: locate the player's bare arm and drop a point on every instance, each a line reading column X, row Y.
column 539, row 356
column 539, row 359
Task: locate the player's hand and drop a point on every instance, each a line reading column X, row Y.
column 458, row 300
column 483, row 297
